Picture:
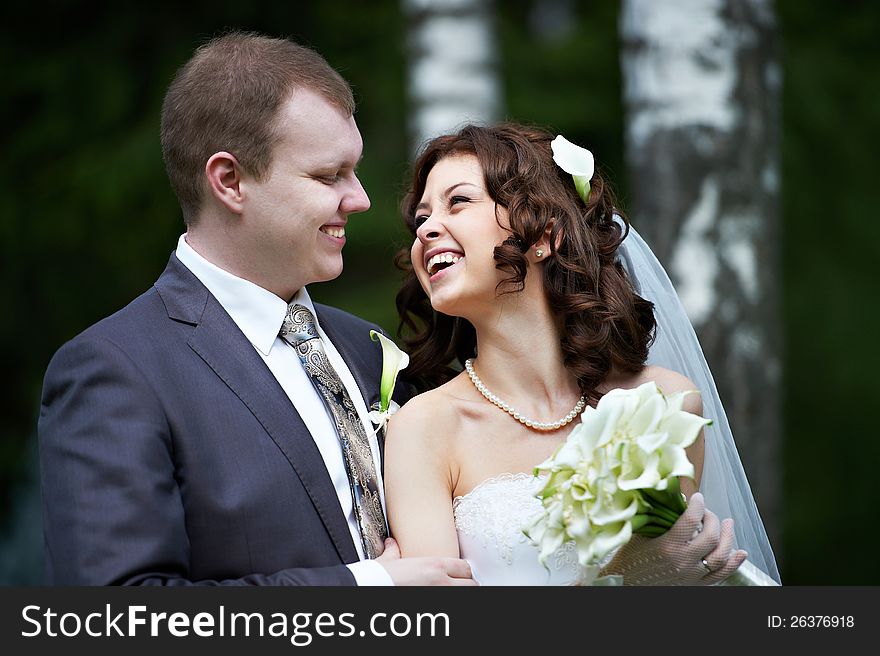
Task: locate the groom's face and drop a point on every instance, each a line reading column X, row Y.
column 296, row 217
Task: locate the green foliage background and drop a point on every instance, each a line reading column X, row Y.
column 89, row 220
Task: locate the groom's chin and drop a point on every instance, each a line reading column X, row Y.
column 329, row 270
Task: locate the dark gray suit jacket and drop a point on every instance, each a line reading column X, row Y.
column 170, row 454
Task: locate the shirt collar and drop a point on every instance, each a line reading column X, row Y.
column 256, row 311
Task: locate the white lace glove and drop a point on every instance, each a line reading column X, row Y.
column 696, row 550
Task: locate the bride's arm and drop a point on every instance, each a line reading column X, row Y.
column 670, row 382
column 418, row 482
column 696, row 451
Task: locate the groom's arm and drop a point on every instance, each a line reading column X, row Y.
column 112, row 507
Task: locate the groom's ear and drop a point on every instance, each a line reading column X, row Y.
column 224, row 180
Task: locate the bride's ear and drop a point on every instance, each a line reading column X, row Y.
column 540, row 250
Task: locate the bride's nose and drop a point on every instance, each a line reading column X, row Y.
column 431, row 230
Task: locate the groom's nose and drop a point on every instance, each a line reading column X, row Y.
column 356, row 200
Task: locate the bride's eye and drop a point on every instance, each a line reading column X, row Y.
column 419, row 220
column 455, row 200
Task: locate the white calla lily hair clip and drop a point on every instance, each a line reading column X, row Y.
column 574, row 160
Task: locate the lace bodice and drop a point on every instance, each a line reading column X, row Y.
column 490, row 520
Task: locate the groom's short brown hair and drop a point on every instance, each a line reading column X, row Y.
column 227, row 98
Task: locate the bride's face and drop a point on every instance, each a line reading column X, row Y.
column 457, row 232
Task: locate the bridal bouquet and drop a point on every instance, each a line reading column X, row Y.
column 616, row 475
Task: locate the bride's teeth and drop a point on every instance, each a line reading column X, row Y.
column 334, row 231
column 447, row 258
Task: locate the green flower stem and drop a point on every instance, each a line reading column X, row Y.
column 582, row 184
column 659, row 522
column 669, row 498
column 664, row 513
column 650, row 531
column 656, row 521
column 639, row 521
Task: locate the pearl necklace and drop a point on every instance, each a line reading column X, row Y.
column 530, row 423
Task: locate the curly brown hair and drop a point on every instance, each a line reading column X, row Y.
column 604, row 323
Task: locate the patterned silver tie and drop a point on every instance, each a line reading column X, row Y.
column 299, row 331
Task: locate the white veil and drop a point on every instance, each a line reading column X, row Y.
column 723, row 484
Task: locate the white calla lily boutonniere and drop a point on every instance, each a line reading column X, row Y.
column 574, row 160
column 393, row 361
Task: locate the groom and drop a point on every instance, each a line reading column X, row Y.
column 183, row 440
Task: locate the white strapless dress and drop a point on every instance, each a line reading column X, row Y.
column 490, row 520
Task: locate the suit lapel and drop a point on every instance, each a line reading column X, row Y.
column 365, row 373
column 224, row 348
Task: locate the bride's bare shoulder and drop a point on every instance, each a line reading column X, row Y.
column 670, row 381
column 430, row 416
column 667, row 380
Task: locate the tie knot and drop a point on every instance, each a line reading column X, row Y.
column 298, row 325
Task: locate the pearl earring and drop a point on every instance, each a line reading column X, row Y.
column 539, row 253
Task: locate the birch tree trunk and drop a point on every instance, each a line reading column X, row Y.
column 702, row 91
column 452, row 70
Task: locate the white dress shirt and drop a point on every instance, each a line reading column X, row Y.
column 259, row 314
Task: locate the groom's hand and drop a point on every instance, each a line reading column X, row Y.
column 424, row 570
column 696, row 550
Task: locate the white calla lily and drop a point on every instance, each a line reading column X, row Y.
column 684, row 426
column 609, row 539
column 393, row 360
column 617, row 473
column 574, row 160
column 568, row 455
column 647, row 475
column 674, row 462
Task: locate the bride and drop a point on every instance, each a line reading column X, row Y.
column 523, row 284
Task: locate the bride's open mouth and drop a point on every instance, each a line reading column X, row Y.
column 441, row 262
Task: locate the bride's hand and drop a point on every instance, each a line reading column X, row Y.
column 424, row 570
column 696, row 550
